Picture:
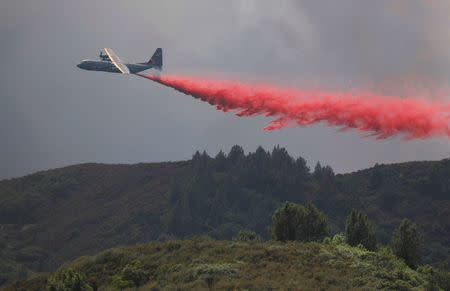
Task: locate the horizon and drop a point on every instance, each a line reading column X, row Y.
column 310, row 166
column 55, row 114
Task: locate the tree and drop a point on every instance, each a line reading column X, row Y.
column 285, row 220
column 313, row 225
column 236, row 154
column 302, row 167
column 317, row 170
column 359, row 230
column 406, row 243
column 296, row 222
column 220, row 161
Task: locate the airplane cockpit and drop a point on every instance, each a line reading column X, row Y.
column 104, row 57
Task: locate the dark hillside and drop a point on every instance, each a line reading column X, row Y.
column 51, row 216
column 56, row 215
column 419, row 191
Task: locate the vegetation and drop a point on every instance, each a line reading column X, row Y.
column 57, row 215
column 406, row 243
column 68, row 280
column 203, row 263
column 247, row 236
column 295, row 222
column 358, row 230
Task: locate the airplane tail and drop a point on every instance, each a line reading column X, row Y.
column 157, row 59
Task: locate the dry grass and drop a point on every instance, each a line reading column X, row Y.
column 206, row 264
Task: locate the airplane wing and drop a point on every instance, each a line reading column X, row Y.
column 116, row 61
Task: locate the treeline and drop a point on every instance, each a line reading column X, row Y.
column 306, row 223
column 52, row 216
column 223, row 194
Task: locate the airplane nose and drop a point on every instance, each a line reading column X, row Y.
column 79, row 65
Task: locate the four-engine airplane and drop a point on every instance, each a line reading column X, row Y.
column 111, row 63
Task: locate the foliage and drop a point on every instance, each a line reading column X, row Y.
column 358, row 230
column 41, row 224
column 438, row 278
column 285, row 221
column 132, row 275
column 247, row 236
column 296, row 222
column 338, row 238
column 203, row 263
column 68, row 280
column 407, row 242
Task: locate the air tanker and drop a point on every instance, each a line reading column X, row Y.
column 110, row 62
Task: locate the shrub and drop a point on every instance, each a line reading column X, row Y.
column 68, row 281
column 118, row 282
column 326, row 240
column 438, row 279
column 135, row 272
column 338, row 238
column 247, row 236
column 406, row 243
column 359, row 230
column 132, row 275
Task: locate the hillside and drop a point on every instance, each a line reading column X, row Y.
column 53, row 216
column 56, row 215
column 206, row 264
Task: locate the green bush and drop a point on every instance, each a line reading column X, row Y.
column 247, row 236
column 135, row 272
column 437, row 278
column 68, row 281
column 118, row 282
column 338, row 239
column 132, row 275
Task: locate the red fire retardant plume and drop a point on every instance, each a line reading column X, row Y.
column 378, row 116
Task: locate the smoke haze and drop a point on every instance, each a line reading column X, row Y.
column 54, row 114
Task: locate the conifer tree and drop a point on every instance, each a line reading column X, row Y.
column 236, row 154
column 406, row 243
column 296, row 222
column 359, row 230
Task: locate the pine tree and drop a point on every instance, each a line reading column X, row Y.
column 406, row 243
column 220, row 161
column 313, row 225
column 296, row 222
column 285, row 220
column 359, row 230
column 236, row 154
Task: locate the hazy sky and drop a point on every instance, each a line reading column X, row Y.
column 53, row 114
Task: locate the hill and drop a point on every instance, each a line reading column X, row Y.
column 53, row 216
column 206, row 264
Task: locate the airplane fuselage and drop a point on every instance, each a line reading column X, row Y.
column 106, row 66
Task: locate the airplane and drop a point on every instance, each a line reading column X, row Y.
column 104, row 57
column 111, row 63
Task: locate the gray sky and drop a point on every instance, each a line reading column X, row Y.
column 53, row 114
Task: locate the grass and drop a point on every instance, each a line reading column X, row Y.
column 206, row 264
